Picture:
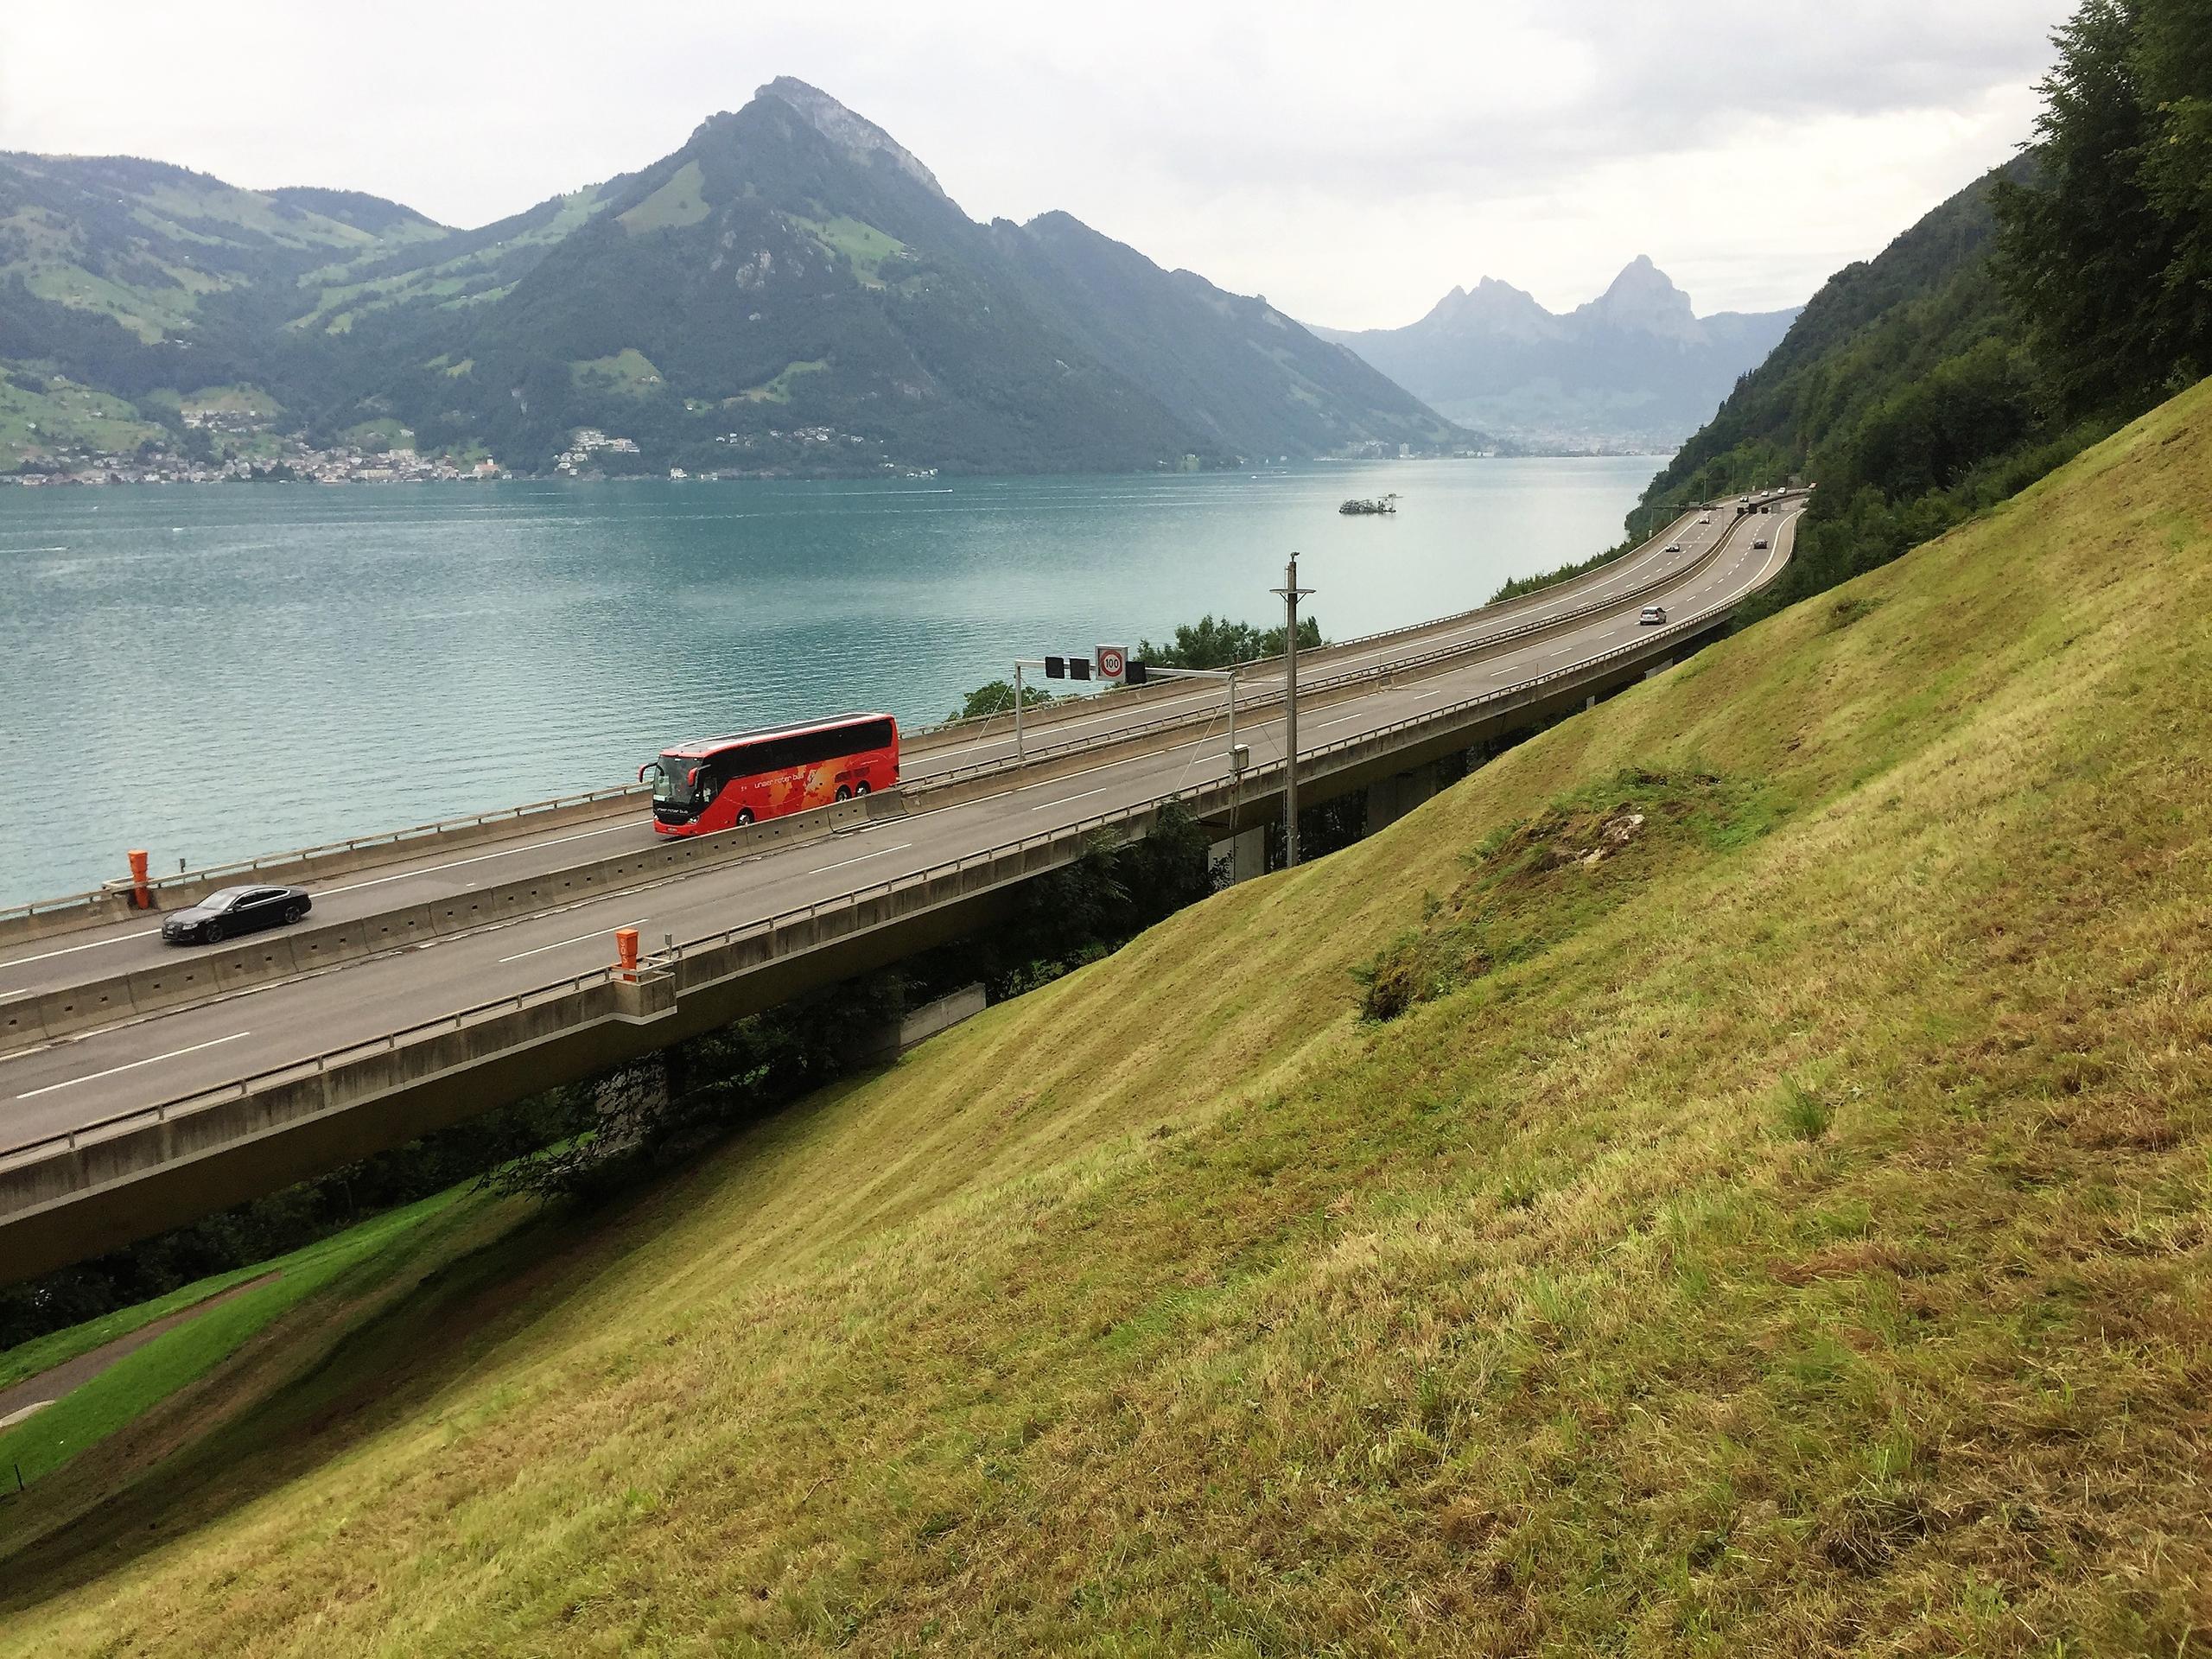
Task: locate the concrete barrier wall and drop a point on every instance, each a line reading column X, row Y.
column 1049, row 760
column 271, row 957
column 112, row 903
column 1042, row 720
column 97, row 1169
column 923, row 1023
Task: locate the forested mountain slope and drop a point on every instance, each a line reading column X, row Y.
column 791, row 291
column 2034, row 312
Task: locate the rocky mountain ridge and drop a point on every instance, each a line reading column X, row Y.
column 1633, row 368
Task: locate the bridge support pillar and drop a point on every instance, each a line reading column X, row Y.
column 1393, row 798
column 1245, row 853
column 649, row 997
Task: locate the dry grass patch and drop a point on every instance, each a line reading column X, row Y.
column 1795, row 1242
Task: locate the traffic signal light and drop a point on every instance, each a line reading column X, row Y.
column 1079, row 668
column 1056, row 668
column 1133, row 674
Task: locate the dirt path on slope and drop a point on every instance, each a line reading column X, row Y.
column 22, row 1399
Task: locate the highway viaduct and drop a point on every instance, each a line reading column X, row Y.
column 450, row 972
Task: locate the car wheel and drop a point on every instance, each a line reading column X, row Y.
column 860, row 789
column 212, row 934
column 292, row 912
column 844, row 794
column 744, row 816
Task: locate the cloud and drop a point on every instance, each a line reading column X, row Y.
column 1351, row 167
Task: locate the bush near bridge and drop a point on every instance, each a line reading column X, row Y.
column 1790, row 1232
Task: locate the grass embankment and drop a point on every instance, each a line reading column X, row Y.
column 217, row 1365
column 89, row 1414
column 1786, row 1231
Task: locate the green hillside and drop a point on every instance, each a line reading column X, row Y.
column 1905, row 390
column 1872, row 329
column 810, row 298
column 1770, row 1212
column 111, row 268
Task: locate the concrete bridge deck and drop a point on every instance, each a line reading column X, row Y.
column 64, row 940
column 94, row 1142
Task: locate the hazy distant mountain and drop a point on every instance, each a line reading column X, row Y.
column 1255, row 382
column 791, row 290
column 1636, row 367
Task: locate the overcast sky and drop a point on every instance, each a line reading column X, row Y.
column 1352, row 164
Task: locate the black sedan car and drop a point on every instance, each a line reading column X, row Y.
column 234, row 911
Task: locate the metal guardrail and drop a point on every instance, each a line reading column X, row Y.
column 163, row 1111
column 110, row 891
column 249, row 867
column 1381, row 671
column 981, row 723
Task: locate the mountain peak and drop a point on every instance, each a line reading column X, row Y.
column 1493, row 307
column 1643, row 297
column 1635, row 366
column 856, row 135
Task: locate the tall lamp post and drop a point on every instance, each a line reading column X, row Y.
column 1291, row 593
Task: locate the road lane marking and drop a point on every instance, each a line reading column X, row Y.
column 72, row 949
column 877, row 853
column 1323, row 725
column 1475, row 631
column 332, row 893
column 94, row 1077
column 597, row 932
column 1065, row 799
column 507, row 852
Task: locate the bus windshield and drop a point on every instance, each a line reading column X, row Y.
column 671, row 781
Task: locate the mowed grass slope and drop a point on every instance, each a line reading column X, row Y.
column 1787, row 1232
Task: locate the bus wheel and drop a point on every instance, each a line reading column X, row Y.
column 744, row 816
column 844, row 794
column 860, row 789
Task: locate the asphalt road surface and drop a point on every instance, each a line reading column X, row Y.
column 73, row 1082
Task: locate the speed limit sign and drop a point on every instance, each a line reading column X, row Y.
column 1112, row 661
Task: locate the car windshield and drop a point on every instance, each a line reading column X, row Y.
column 227, row 898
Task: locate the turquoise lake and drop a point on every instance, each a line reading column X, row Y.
column 214, row 671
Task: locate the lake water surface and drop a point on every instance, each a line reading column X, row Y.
column 214, row 671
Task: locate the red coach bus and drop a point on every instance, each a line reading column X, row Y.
column 719, row 783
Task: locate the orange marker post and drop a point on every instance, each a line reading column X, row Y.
column 625, row 952
column 141, row 894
